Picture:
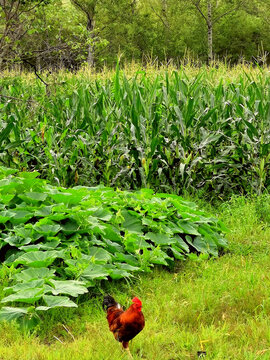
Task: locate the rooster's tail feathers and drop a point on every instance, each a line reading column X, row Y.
column 108, row 301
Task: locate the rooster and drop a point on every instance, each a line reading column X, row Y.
column 125, row 325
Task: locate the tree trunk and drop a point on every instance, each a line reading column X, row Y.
column 90, row 28
column 88, row 8
column 133, row 6
column 90, row 57
column 210, row 32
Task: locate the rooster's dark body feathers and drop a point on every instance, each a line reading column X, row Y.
column 125, row 325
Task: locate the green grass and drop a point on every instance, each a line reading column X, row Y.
column 222, row 305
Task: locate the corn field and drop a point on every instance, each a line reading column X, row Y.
column 172, row 131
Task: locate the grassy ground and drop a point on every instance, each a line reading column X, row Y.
column 221, row 306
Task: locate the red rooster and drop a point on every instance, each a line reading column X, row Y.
column 125, row 325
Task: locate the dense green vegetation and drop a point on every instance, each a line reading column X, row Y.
column 57, row 241
column 93, row 137
column 33, row 33
column 190, row 130
column 221, row 305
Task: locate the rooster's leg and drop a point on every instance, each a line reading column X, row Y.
column 126, row 347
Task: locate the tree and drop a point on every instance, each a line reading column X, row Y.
column 124, row 26
column 16, row 17
column 171, row 23
column 88, row 8
column 221, row 9
column 32, row 32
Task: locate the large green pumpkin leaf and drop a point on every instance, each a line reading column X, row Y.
column 35, row 273
column 128, row 267
column 200, row 245
column 4, row 171
column 5, row 216
column 12, row 313
column 177, row 253
column 29, row 296
column 67, row 198
column 33, row 197
column 111, row 233
column 16, row 240
column 56, row 301
column 99, row 255
column 188, row 228
column 102, row 214
column 47, row 229
column 38, row 259
column 134, row 242
column 28, row 248
column 127, row 258
column 70, row 227
column 9, row 185
column 93, row 272
column 23, row 232
column 33, row 284
column 6, row 198
column 20, row 216
column 44, row 211
column 29, row 175
column 69, row 287
column 160, row 239
column 112, row 246
column 117, row 274
column 181, row 243
column 131, row 223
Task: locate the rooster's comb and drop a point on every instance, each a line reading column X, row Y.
column 137, row 301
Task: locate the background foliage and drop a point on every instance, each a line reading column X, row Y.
column 149, row 30
column 173, row 131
